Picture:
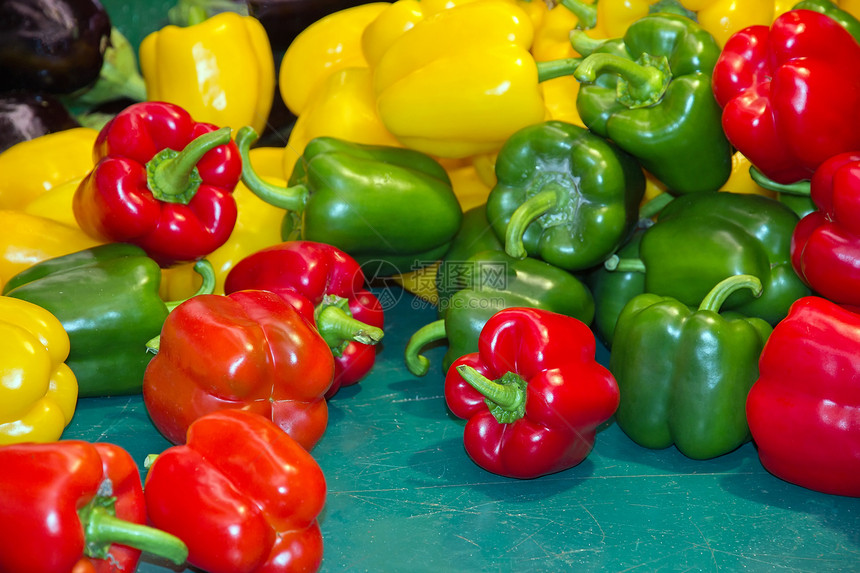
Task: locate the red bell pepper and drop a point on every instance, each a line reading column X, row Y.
column 804, row 409
column 326, row 286
column 161, row 181
column 533, row 394
column 249, row 350
column 790, row 93
column 75, row 506
column 242, row 495
column 825, row 244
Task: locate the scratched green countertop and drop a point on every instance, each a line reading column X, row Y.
column 404, row 496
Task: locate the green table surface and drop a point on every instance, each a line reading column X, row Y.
column 404, row 496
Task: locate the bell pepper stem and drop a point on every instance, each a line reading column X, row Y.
column 172, row 176
column 102, row 529
column 337, row 326
column 800, row 188
column 616, row 263
column 415, row 362
column 641, row 83
column 505, row 397
column 714, row 300
column 585, row 13
column 207, row 273
column 557, row 68
column 293, row 198
column 529, row 210
column 653, row 206
column 582, row 43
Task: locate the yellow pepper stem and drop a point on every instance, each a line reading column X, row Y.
column 640, row 83
column 293, row 198
column 557, row 68
column 582, row 43
column 585, row 13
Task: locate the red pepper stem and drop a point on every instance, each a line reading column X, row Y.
column 172, row 176
column 557, row 68
column 616, row 263
column 102, row 528
column 585, row 13
column 641, row 83
column 338, row 328
column 207, row 273
column 293, row 198
column 800, row 188
column 506, row 397
column 714, row 300
column 415, row 363
column 538, row 204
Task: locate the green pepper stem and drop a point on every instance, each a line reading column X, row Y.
column 582, row 43
column 292, row 198
column 653, row 206
column 337, row 326
column 557, row 68
column 714, row 300
column 207, row 273
column 103, row 528
column 617, row 264
column 585, row 13
column 506, row 397
column 172, row 176
column 641, row 83
column 799, row 188
column 415, row 362
column 529, row 210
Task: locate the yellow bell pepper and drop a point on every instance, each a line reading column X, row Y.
column 221, row 70
column 722, row 18
column 343, row 106
column 460, row 83
column 34, row 166
column 56, row 203
column 258, row 225
column 390, row 24
column 740, row 180
column 326, row 46
column 552, row 42
column 38, row 391
column 29, row 239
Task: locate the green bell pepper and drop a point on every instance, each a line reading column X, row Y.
column 475, row 235
column 564, row 195
column 684, row 374
column 391, row 206
column 107, row 299
column 701, row 238
column 659, row 106
column 492, row 281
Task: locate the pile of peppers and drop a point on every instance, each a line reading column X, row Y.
column 679, row 181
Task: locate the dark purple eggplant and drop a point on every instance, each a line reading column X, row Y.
column 25, row 116
column 54, row 46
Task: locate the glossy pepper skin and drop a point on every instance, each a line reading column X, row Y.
column 242, row 494
column 221, row 70
column 533, row 394
column 161, row 181
column 700, row 239
column 34, row 352
column 249, row 350
column 656, row 103
column 72, row 506
column 684, row 373
column 564, row 194
column 832, row 10
column 825, row 245
column 432, row 67
column 107, row 299
column 788, row 103
column 489, row 282
column 804, row 409
column 328, row 288
column 372, row 202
